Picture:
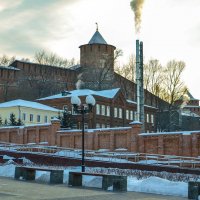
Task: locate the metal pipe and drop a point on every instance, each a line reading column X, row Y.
column 138, row 79
column 141, row 88
column 83, row 139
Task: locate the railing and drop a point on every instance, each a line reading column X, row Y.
column 106, row 155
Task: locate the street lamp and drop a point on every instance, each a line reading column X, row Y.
column 83, row 109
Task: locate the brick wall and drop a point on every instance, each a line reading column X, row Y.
column 169, row 143
column 30, row 134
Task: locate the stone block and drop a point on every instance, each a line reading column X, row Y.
column 193, row 190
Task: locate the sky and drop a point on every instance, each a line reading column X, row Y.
column 170, row 29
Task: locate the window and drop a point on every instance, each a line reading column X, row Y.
column 73, row 111
column 45, row 119
column 38, row 118
column 115, row 112
column 85, row 125
column 97, row 125
column 147, row 120
column 127, row 114
column 103, row 110
column 131, row 115
column 74, row 126
column 97, row 109
column 103, row 126
column 108, row 126
column 120, row 113
column 65, row 107
column 108, row 110
column 135, row 116
column 152, row 119
column 24, row 116
column 31, row 117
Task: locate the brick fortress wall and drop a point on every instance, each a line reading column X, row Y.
column 31, row 81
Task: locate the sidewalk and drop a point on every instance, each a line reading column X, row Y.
column 11, row 189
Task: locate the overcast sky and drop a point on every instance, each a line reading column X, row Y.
column 170, row 29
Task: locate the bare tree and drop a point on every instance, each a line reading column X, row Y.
column 118, row 53
column 49, row 58
column 164, row 82
column 6, row 60
column 127, row 70
column 153, row 77
column 174, row 87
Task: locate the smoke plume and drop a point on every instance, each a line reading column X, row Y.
column 79, row 83
column 136, row 6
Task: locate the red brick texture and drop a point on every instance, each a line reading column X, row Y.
column 177, row 143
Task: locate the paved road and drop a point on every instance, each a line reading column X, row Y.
column 11, row 189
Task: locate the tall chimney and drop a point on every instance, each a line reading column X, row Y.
column 141, row 88
column 138, row 79
column 140, row 85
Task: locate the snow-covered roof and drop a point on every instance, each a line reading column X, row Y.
column 189, row 113
column 28, row 104
column 97, row 39
column 171, row 133
column 74, row 67
column 84, row 92
column 191, row 106
column 9, row 68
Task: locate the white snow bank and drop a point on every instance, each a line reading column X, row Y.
column 158, row 186
column 149, row 185
column 7, row 170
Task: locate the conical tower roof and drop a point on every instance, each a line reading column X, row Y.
column 97, row 39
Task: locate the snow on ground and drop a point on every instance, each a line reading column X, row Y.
column 150, row 184
column 158, row 186
column 7, row 170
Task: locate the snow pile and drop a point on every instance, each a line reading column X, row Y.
column 5, row 157
column 7, row 170
column 151, row 184
column 142, row 174
column 26, row 161
column 10, row 162
column 92, row 181
column 42, row 176
column 158, row 186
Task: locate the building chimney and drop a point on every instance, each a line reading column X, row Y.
column 139, row 82
column 138, row 79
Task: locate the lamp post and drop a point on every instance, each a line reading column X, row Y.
column 83, row 109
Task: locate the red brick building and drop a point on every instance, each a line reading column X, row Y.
column 189, row 104
column 112, row 109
